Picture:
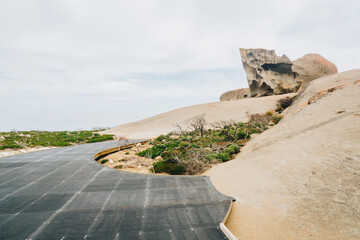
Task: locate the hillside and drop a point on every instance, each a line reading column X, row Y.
column 301, row 178
column 218, row 111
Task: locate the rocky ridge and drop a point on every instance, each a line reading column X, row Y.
column 269, row 74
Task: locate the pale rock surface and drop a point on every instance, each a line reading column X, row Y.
column 236, row 94
column 301, row 178
column 313, row 66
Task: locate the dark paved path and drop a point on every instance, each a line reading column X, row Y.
column 64, row 194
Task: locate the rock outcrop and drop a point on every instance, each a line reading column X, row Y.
column 312, row 66
column 269, row 74
column 235, row 94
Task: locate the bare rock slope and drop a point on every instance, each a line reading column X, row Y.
column 301, row 178
column 212, row 112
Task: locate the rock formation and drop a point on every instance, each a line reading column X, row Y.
column 235, row 94
column 312, row 66
column 269, row 74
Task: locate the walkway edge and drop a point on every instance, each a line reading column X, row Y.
column 115, row 149
column 223, row 227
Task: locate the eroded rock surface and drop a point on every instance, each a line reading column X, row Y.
column 269, row 74
column 235, row 94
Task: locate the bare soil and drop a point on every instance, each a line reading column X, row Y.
column 128, row 160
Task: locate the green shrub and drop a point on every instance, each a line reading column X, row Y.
column 223, row 157
column 184, row 145
column 153, row 152
column 104, row 161
column 210, row 157
column 232, row 149
column 60, row 144
column 172, row 144
column 240, row 124
column 167, row 155
column 277, row 119
column 98, row 138
column 242, row 135
column 160, row 138
column 169, row 167
column 22, row 139
column 127, row 153
column 119, row 166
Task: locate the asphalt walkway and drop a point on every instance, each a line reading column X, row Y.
column 64, row 194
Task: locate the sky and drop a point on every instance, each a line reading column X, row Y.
column 80, row 64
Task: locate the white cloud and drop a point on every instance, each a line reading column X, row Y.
column 140, row 50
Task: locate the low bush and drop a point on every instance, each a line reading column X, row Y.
column 169, row 167
column 153, row 152
column 160, row 138
column 104, row 161
column 232, row 149
column 223, row 157
column 242, row 135
column 184, row 144
column 211, row 157
column 98, row 138
column 20, row 139
column 277, row 119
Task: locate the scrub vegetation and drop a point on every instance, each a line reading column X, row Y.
column 22, row 139
column 194, row 151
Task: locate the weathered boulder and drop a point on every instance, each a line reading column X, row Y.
column 312, row 66
column 269, row 74
column 235, row 94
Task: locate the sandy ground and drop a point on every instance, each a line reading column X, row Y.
column 10, row 152
column 301, row 178
column 127, row 160
column 227, row 110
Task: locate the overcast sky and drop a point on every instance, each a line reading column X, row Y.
column 72, row 64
